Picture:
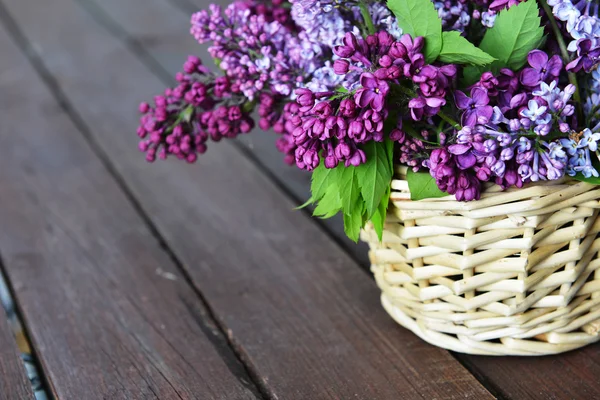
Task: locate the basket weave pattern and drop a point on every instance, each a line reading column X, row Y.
column 515, row 273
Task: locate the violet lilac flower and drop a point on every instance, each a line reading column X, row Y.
column 476, row 108
column 541, row 68
column 588, row 56
column 372, row 93
column 199, row 108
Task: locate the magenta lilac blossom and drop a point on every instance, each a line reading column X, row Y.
column 334, row 78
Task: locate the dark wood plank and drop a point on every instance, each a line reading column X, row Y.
column 109, row 314
column 573, row 375
column 304, row 317
column 169, row 44
column 14, row 383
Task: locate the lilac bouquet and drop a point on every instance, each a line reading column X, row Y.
column 460, row 91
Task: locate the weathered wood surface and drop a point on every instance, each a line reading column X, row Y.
column 14, row 383
column 574, row 375
column 302, row 315
column 508, row 377
column 107, row 311
column 168, row 42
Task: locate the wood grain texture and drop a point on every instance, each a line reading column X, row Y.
column 302, row 314
column 574, row 375
column 168, row 41
column 109, row 314
column 14, row 383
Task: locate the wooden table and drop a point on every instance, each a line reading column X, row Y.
column 137, row 281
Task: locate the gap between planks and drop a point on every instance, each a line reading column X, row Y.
column 138, row 49
column 38, row 64
column 88, row 131
column 186, row 6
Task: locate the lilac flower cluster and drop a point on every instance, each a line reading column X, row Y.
column 452, row 179
column 592, row 102
column 274, row 10
column 255, row 54
column 182, row 120
column 384, row 20
column 322, row 22
column 582, row 24
column 339, row 123
column 581, row 150
column 454, row 14
column 506, row 122
column 327, row 88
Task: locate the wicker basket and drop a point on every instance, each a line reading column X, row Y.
column 515, row 273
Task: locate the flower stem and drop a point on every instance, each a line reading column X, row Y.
column 448, row 119
column 564, row 52
column 364, row 11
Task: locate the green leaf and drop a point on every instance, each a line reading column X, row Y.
column 592, row 179
column 456, row 49
column 325, row 191
column 380, row 214
column 375, row 175
column 322, row 178
column 306, row 204
column 353, row 190
column 422, row 186
column 353, row 222
column 329, row 205
column 349, row 189
column 472, row 74
column 419, row 18
column 516, row 32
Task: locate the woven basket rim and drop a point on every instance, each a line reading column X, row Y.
column 514, row 273
column 535, row 197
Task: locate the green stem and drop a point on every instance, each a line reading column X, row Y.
column 564, row 52
column 364, row 11
column 448, row 119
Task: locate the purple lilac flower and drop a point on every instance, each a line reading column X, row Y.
column 541, row 68
column 583, row 25
column 454, row 14
column 589, row 140
column 536, row 114
column 322, row 22
column 500, row 148
column 450, row 179
column 182, row 120
column 476, row 108
column 411, row 150
column 592, row 101
column 588, row 56
column 255, row 54
column 273, row 11
column 335, row 125
column 401, row 59
column 372, row 93
column 580, row 149
column 384, row 19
